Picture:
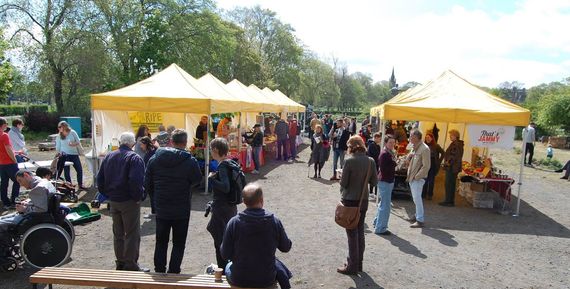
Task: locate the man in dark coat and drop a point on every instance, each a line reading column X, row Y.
column 170, row 175
column 340, row 136
column 282, row 132
column 250, row 242
column 120, row 179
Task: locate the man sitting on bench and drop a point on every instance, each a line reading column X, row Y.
column 37, row 202
column 250, row 241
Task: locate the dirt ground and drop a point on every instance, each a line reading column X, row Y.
column 460, row 247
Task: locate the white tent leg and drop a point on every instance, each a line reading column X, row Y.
column 207, row 155
column 519, row 183
column 383, row 130
column 94, row 153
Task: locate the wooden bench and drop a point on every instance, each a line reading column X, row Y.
column 123, row 279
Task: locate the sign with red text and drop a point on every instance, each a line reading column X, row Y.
column 493, row 136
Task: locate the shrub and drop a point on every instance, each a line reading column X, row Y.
column 21, row 109
column 38, row 121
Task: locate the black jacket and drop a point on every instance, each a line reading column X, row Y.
column 170, row 174
column 257, row 139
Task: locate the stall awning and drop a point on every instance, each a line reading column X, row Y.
column 170, row 90
column 450, row 98
column 265, row 105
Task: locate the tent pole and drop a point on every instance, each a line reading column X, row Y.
column 383, row 130
column 239, row 137
column 519, row 183
column 207, row 154
column 95, row 155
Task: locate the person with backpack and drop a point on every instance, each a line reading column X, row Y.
column 169, row 177
column 227, row 184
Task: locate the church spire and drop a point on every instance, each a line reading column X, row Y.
column 393, row 80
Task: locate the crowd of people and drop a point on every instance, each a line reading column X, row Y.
column 248, row 260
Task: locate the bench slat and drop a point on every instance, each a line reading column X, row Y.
column 124, row 279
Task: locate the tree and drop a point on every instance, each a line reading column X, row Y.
column 279, row 49
column 6, row 70
column 317, row 82
column 55, row 27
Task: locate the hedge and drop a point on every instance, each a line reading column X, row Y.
column 7, row 110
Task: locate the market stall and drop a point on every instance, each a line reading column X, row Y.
column 170, row 97
column 450, row 102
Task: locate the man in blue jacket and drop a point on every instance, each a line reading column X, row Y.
column 170, row 175
column 120, row 179
column 250, row 242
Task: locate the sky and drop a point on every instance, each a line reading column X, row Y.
column 487, row 42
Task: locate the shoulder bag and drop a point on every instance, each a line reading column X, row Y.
column 348, row 217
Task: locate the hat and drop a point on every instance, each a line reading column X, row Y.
column 256, row 125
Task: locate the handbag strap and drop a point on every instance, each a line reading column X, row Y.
column 365, row 184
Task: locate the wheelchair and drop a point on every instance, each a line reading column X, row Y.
column 39, row 239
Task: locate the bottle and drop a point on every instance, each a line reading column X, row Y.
column 114, row 144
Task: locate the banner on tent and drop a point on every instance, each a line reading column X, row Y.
column 152, row 119
column 495, row 136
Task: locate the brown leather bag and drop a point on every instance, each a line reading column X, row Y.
column 348, row 217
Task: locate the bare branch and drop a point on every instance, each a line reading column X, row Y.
column 29, row 33
column 7, row 7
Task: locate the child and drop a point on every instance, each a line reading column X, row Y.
column 549, row 152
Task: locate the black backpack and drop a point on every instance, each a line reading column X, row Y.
column 237, row 182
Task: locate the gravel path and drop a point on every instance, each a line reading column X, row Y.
column 460, row 247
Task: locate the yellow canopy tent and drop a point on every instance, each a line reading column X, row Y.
column 292, row 105
column 170, row 90
column 452, row 100
column 266, row 105
column 171, row 96
column 213, row 86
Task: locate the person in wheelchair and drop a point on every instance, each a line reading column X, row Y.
column 40, row 189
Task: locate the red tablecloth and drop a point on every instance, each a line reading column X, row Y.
column 501, row 186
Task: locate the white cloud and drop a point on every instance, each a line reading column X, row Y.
column 529, row 44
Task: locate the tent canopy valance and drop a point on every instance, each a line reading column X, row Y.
column 450, row 98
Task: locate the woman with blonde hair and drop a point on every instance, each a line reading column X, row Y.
column 452, row 164
column 67, row 145
column 358, row 173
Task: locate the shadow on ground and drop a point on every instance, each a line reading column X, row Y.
column 438, row 218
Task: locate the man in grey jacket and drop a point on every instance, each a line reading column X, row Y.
column 418, row 168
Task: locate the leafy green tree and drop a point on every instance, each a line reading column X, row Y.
column 6, row 70
column 54, row 27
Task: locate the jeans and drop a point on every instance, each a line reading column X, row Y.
column 293, row 147
column 126, row 233
column 383, row 214
column 282, row 277
column 179, row 232
column 8, row 172
column 338, row 153
column 282, row 147
column 256, row 157
column 66, row 170
column 450, row 183
column 416, row 187
column 529, row 150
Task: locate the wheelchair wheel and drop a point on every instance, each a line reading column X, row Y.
column 45, row 245
column 68, row 227
column 11, row 264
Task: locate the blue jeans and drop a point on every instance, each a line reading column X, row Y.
column 416, row 187
column 338, row 154
column 283, row 274
column 256, row 157
column 66, row 170
column 383, row 214
column 8, row 172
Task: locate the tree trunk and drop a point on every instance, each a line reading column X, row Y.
column 58, row 90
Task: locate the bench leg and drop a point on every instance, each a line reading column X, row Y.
column 50, row 286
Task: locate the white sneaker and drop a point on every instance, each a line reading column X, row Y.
column 255, row 172
column 210, row 269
